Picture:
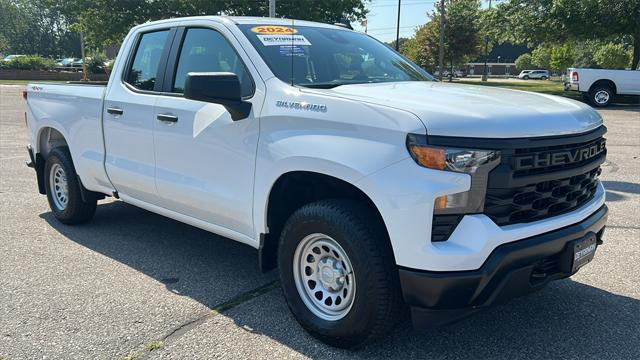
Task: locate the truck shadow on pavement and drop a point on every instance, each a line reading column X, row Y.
column 566, row 320
column 616, row 190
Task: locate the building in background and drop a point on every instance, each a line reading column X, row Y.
column 501, row 61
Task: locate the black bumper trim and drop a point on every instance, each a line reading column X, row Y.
column 507, row 273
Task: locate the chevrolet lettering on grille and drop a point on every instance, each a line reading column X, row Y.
column 559, row 157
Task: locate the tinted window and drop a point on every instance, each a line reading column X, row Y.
column 144, row 67
column 328, row 57
column 206, row 50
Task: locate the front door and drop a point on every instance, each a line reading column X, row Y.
column 205, row 161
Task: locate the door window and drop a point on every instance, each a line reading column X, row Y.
column 144, row 67
column 206, row 50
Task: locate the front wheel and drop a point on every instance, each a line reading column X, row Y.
column 338, row 272
column 526, row 77
column 544, row 78
column 63, row 189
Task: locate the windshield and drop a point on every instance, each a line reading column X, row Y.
column 326, row 57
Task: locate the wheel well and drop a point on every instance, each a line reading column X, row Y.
column 294, row 190
column 49, row 139
column 604, row 83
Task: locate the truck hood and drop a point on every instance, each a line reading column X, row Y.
column 478, row 111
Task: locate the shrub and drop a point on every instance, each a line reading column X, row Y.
column 30, row 62
column 95, row 62
column 524, row 62
column 562, row 57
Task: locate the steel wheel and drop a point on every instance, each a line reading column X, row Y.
column 601, row 97
column 324, row 277
column 59, row 187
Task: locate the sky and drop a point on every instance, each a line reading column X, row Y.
column 383, row 17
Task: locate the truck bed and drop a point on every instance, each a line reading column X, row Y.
column 75, row 112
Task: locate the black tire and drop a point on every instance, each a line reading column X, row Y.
column 543, row 78
column 76, row 210
column 377, row 303
column 526, row 77
column 601, row 96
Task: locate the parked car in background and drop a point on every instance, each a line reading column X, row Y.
column 69, row 64
column 601, row 86
column 534, row 74
column 10, row 58
column 448, row 73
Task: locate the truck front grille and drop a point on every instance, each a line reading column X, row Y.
column 537, row 178
column 540, row 200
column 536, row 182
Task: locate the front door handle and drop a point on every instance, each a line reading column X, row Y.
column 115, row 111
column 167, row 118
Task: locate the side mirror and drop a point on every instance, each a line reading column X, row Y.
column 218, row 88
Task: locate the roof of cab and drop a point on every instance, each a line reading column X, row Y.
column 246, row 20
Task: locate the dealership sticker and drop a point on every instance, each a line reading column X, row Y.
column 276, row 30
column 288, row 50
column 279, row 40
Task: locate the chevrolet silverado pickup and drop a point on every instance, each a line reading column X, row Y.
column 371, row 187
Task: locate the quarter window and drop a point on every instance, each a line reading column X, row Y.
column 206, row 50
column 144, row 67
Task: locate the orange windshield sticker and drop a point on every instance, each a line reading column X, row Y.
column 275, row 30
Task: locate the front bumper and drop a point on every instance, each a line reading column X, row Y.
column 513, row 269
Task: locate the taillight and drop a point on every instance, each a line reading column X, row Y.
column 574, row 76
column 24, row 94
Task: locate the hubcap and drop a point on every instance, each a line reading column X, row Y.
column 602, row 97
column 324, row 277
column 58, row 186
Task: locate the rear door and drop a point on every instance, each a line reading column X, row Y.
column 129, row 116
column 205, row 161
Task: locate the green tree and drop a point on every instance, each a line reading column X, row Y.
column 36, row 27
column 541, row 56
column 463, row 40
column 537, row 21
column 422, row 48
column 612, row 56
column 585, row 53
column 524, row 61
column 562, row 57
column 401, row 41
column 106, row 22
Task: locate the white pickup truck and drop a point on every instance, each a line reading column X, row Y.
column 370, row 186
column 601, row 86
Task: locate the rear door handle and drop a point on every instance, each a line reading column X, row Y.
column 115, row 111
column 167, row 118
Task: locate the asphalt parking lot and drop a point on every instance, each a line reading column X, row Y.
column 135, row 284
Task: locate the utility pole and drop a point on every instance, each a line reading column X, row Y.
column 272, row 8
column 398, row 28
column 85, row 76
column 486, row 52
column 441, row 64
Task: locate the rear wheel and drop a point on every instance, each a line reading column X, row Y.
column 63, row 189
column 338, row 273
column 601, row 96
column 544, row 78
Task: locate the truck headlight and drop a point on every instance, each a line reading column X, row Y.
column 475, row 162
